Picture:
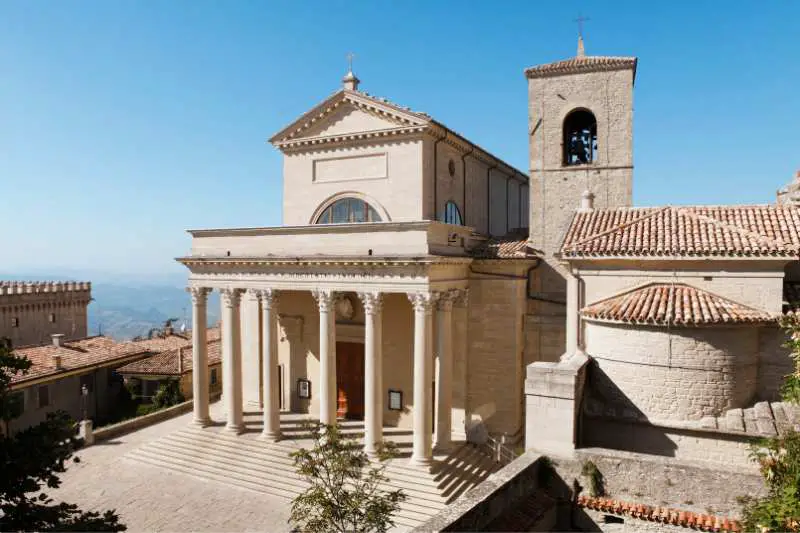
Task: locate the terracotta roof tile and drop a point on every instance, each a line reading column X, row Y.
column 513, row 245
column 701, row 231
column 582, row 64
column 75, row 355
column 664, row 515
column 663, row 304
column 166, row 363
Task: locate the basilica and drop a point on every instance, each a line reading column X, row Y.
column 418, row 281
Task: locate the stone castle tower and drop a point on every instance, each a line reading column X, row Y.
column 31, row 312
column 581, row 139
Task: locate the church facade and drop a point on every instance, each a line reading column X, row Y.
column 419, row 281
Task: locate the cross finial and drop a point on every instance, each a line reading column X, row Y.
column 350, row 56
column 580, row 20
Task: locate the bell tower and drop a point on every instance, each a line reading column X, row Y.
column 580, row 114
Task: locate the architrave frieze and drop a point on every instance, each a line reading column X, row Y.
column 406, row 275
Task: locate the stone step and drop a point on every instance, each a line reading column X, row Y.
column 409, row 515
column 257, row 474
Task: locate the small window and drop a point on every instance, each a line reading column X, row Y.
column 395, row 400
column 87, row 381
column 44, row 396
column 51, row 318
column 348, row 211
column 14, row 322
column 16, row 403
column 213, row 376
column 451, row 168
column 452, row 215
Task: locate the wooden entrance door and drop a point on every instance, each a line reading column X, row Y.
column 350, row 380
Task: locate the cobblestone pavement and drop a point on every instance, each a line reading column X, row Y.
column 154, row 499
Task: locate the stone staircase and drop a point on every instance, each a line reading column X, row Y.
column 246, row 462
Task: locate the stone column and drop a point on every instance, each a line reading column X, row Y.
column 327, row 356
column 199, row 357
column 421, row 454
column 573, row 316
column 269, row 347
column 373, row 371
column 460, row 364
column 444, row 370
column 251, row 356
column 232, row 359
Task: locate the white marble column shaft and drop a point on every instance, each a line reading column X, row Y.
column 269, row 358
column 373, row 371
column 232, row 359
column 199, row 357
column 327, row 356
column 421, row 453
column 444, row 371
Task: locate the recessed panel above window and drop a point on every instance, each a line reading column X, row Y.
column 348, row 211
column 360, row 167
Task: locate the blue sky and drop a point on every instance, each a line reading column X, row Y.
column 124, row 123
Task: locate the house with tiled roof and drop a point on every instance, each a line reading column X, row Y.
column 171, row 360
column 77, row 376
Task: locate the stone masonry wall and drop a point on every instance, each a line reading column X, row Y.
column 678, row 374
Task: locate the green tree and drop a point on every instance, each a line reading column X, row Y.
column 168, row 394
column 779, row 459
column 32, row 459
column 344, row 492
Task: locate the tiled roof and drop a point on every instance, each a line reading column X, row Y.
column 699, row 231
column 75, row 355
column 513, row 245
column 664, row 304
column 663, row 515
column 166, row 363
column 581, row 64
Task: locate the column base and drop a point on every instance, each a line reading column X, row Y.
column 443, row 448
column 423, row 462
column 270, row 436
column 233, row 429
column 200, row 422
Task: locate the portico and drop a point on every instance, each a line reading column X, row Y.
column 349, row 296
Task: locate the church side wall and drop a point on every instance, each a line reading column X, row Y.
column 477, row 210
column 394, row 173
column 673, row 374
column 495, row 380
column 774, row 363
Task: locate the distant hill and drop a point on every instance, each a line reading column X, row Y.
column 124, row 309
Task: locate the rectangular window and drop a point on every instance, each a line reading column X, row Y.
column 86, row 380
column 14, row 322
column 44, row 396
column 51, row 318
column 213, row 376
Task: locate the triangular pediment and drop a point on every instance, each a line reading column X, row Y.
column 347, row 113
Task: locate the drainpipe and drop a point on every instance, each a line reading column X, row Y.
column 436, row 174
column 489, row 199
column 464, row 172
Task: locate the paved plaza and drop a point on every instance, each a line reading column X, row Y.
column 148, row 498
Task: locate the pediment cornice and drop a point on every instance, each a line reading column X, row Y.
column 406, row 120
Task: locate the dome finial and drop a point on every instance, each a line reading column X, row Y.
column 350, row 81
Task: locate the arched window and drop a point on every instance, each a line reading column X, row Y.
column 348, row 211
column 451, row 214
column 580, row 138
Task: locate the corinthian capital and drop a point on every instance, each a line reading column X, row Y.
column 462, row 298
column 325, row 300
column 231, row 297
column 268, row 297
column 423, row 302
column 373, row 302
column 199, row 294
